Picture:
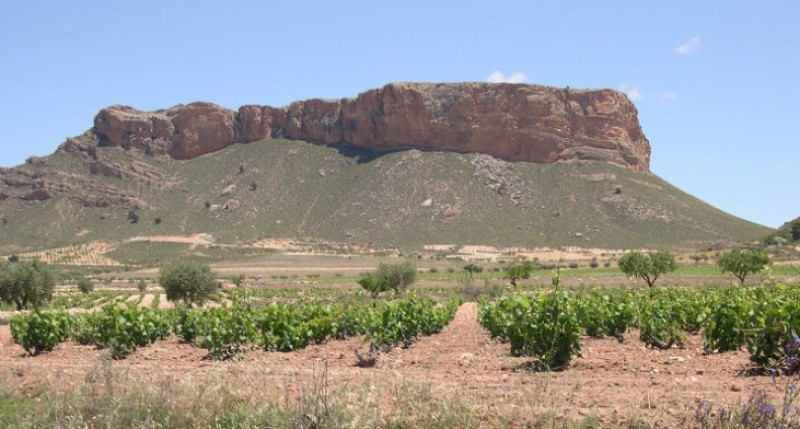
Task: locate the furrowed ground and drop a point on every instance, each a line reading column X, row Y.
column 459, row 377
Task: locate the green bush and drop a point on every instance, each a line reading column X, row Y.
column 648, row 267
column 741, row 263
column 40, row 332
column 190, row 282
column 85, row 285
column 123, row 326
column 545, row 326
column 389, row 277
column 516, row 271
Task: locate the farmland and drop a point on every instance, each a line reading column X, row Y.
column 282, row 349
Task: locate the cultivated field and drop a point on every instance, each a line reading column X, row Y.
column 459, row 377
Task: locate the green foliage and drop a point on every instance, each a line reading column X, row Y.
column 133, row 217
column 39, row 332
column 26, row 283
column 741, row 263
column 123, row 326
column 85, row 285
column 729, row 320
column 472, row 269
column 191, row 282
column 648, row 267
column 774, row 343
column 660, row 323
column 545, row 326
column 606, row 312
column 516, row 271
column 402, row 321
column 389, row 277
column 238, row 280
column 141, row 285
column 794, row 231
column 226, row 332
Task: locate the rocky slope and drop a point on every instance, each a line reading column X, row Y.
column 462, row 186
column 514, row 122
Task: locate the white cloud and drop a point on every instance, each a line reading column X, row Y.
column 632, row 91
column 498, row 77
column 668, row 96
column 688, row 47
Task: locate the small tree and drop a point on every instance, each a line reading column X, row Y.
column 389, row 277
column 741, row 263
column 133, row 217
column 26, row 283
column 85, row 285
column 472, row 269
column 517, row 270
column 648, row 267
column 190, row 282
column 469, row 273
column 238, row 280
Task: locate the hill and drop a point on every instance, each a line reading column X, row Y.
column 406, row 199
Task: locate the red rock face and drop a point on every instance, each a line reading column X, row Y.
column 514, row 122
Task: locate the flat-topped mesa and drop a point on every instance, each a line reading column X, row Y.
column 515, row 122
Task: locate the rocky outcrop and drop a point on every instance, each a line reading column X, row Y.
column 514, row 122
column 24, row 184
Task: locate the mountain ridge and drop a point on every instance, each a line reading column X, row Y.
column 405, row 165
column 514, row 122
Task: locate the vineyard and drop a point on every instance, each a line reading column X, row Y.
column 548, row 325
column 544, row 324
column 515, row 355
column 226, row 332
column 93, row 254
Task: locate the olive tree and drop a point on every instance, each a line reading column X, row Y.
column 647, row 266
column 741, row 263
column 389, row 277
column 26, row 283
column 190, row 282
column 517, row 270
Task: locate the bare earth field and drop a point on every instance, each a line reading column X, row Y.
column 614, row 383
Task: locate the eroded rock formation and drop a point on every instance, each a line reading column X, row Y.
column 514, row 122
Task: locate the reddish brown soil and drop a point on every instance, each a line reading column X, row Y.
column 614, row 382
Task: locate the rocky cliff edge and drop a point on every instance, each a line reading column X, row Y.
column 514, row 122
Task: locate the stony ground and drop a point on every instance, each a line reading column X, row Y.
column 613, row 382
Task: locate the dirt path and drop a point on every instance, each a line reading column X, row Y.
column 613, row 382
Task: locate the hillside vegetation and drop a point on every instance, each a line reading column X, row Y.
column 404, row 199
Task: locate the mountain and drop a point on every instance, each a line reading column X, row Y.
column 404, row 165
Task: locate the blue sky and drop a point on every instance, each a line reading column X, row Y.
column 715, row 81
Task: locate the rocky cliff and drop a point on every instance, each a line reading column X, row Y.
column 514, row 122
